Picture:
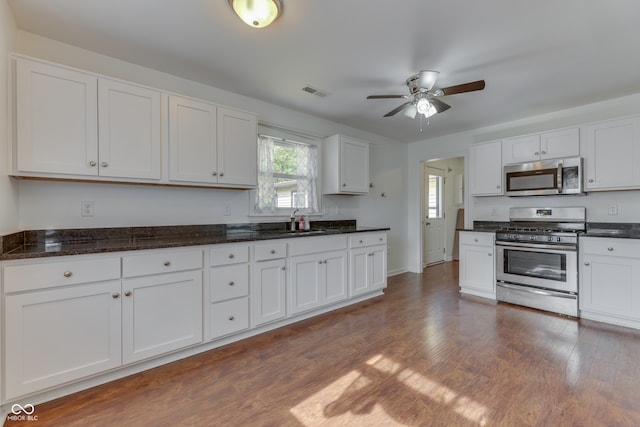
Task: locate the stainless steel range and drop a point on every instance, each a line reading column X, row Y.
column 537, row 258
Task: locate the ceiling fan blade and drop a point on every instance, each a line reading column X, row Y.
column 439, row 105
column 427, row 78
column 386, row 96
column 397, row 110
column 465, row 87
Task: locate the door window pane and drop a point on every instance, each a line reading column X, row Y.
column 435, row 196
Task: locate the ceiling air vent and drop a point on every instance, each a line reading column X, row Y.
column 314, row 91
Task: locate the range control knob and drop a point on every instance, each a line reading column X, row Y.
column 549, row 238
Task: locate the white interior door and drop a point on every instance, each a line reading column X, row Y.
column 433, row 215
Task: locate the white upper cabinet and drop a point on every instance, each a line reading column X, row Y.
column 611, row 152
column 74, row 123
column 547, row 145
column 129, row 143
column 485, row 169
column 345, row 165
column 56, row 120
column 211, row 145
column 192, row 140
column 237, row 148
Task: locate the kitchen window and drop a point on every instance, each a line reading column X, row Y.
column 287, row 176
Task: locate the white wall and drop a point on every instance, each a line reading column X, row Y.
column 8, row 187
column 45, row 204
column 497, row 208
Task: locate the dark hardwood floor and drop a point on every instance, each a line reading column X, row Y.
column 421, row 355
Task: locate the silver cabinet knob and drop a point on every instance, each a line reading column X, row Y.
column 361, row 241
column 115, row 295
column 232, row 318
column 319, row 262
column 92, row 163
column 490, row 254
column 231, row 256
column 536, row 153
column 475, row 240
column 104, row 164
column 167, row 263
column 283, row 268
column 497, row 187
column 344, row 185
column 231, row 283
column 587, row 263
column 214, row 173
column 67, row 274
column 128, row 294
column 381, row 239
column 543, row 153
column 221, row 173
column 273, row 251
column 610, row 249
column 590, row 180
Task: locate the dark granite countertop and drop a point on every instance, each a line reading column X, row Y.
column 622, row 230
column 46, row 243
column 486, row 226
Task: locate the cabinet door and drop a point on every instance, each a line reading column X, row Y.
column 161, row 313
column 359, row 265
column 237, row 148
column 477, row 269
column 192, row 141
column 354, row 165
column 611, row 153
column 486, row 169
column 268, row 291
column 129, row 138
column 521, row 149
column 57, row 120
column 305, row 283
column 609, row 285
column 560, row 143
column 56, row 336
column 335, row 276
column 378, row 260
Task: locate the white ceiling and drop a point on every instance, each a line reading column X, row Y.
column 535, row 56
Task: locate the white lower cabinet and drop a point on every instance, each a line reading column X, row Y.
column 610, row 280
column 61, row 333
column 477, row 264
column 367, row 263
column 228, row 290
column 269, row 283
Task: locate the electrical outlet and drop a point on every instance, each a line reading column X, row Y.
column 87, row 208
column 227, row 209
column 613, row 209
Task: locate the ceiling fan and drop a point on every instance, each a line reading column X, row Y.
column 424, row 97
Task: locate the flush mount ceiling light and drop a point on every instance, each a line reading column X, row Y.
column 257, row 13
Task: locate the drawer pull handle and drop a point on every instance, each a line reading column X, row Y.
column 68, row 274
column 167, row 263
column 128, row 294
column 232, row 318
column 231, row 283
column 587, row 263
column 115, row 295
column 231, row 256
column 610, row 249
column 273, row 251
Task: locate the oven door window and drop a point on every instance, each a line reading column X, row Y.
column 543, row 265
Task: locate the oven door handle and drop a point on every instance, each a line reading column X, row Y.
column 533, row 246
column 537, row 291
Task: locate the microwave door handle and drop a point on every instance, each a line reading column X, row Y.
column 559, row 178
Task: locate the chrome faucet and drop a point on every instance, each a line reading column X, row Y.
column 293, row 220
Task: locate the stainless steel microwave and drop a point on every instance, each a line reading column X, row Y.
column 544, row 178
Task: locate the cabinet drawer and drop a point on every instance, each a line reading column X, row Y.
column 29, row 276
column 229, row 316
column 162, row 262
column 229, row 254
column 230, row 281
column 312, row 245
column 480, row 239
column 360, row 240
column 629, row 248
column 268, row 251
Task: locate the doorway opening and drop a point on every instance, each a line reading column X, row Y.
column 442, row 209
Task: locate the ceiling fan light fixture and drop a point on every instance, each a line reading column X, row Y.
column 257, row 13
column 411, row 111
